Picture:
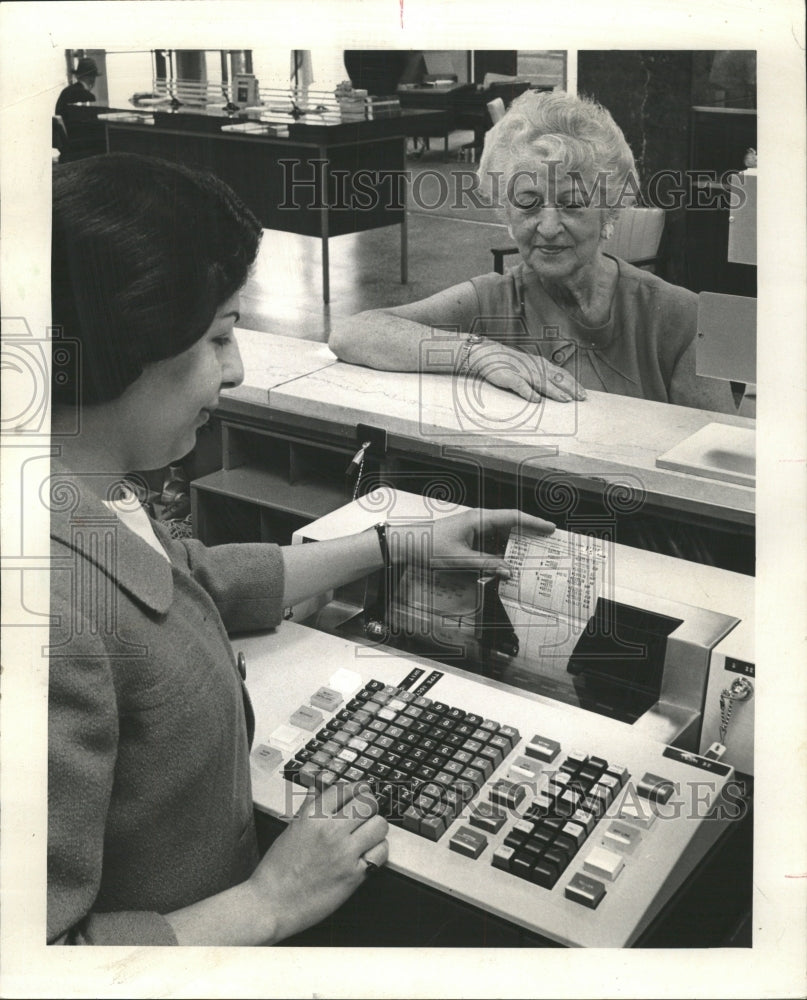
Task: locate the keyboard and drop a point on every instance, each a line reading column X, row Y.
column 568, row 824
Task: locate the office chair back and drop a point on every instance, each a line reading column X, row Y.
column 636, row 238
column 496, row 109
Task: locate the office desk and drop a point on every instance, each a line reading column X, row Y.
column 465, row 104
column 326, row 179
column 289, row 432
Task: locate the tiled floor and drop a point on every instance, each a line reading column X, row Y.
column 447, row 244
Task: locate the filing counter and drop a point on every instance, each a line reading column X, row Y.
column 289, row 433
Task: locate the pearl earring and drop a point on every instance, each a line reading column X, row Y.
column 607, row 231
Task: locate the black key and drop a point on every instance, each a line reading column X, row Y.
column 440, row 708
column 469, row 842
column 510, row 733
column 474, row 777
column 507, row 793
column 514, row 839
column 565, row 853
column 464, row 729
column 599, row 763
column 436, row 761
column 585, row 890
column 454, row 740
column 542, row 748
column 446, row 724
column 456, row 713
column 419, row 728
column 543, row 834
column 587, row 775
column 493, row 754
column 430, row 746
column 566, row 842
column 654, row 788
column 374, row 685
column 544, row 874
column 291, row 770
column 522, row 864
column 535, row 848
column 502, row 743
column 487, row 817
column 473, row 720
column 556, row 857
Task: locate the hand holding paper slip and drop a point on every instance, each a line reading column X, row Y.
column 561, row 575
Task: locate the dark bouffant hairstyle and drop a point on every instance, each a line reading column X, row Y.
column 143, row 253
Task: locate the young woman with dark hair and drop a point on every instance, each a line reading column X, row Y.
column 151, row 836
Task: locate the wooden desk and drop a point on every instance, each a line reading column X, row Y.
column 466, row 105
column 324, row 180
column 289, row 432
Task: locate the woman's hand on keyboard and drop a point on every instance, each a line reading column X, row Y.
column 457, row 541
column 321, row 857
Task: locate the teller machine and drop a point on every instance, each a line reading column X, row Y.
column 561, row 749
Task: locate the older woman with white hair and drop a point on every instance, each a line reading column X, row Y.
column 570, row 316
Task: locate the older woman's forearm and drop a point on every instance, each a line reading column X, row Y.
column 382, row 340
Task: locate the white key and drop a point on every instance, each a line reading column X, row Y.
column 285, row 737
column 603, row 864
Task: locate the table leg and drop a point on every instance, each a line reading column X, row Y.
column 326, row 284
column 405, row 228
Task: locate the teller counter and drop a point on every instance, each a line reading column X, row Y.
column 305, row 433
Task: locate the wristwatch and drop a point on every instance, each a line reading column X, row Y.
column 465, row 352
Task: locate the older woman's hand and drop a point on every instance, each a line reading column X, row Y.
column 458, row 541
column 528, row 375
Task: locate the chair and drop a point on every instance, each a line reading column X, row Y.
column 493, row 112
column 496, row 109
column 58, row 135
column 636, row 238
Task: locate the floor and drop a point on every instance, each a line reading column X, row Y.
column 448, row 242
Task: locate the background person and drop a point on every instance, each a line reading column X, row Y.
column 151, row 834
column 569, row 316
column 80, row 92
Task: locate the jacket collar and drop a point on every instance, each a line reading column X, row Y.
column 79, row 520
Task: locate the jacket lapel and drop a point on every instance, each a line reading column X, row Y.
column 79, row 520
